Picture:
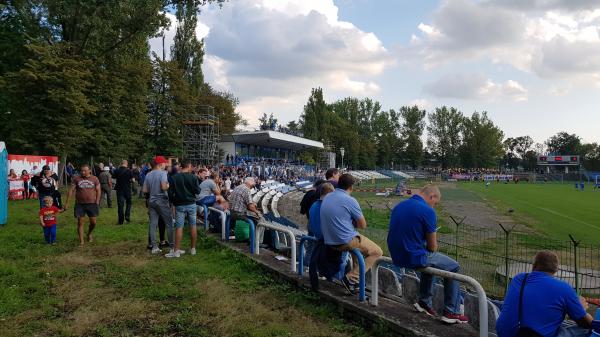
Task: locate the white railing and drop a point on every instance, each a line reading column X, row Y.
column 481, row 296
column 260, row 227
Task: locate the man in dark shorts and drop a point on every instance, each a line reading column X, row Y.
column 124, row 178
column 87, row 200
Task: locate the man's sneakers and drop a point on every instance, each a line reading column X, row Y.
column 349, row 285
column 454, row 318
column 447, row 317
column 172, row 254
column 156, row 250
column 177, row 253
column 193, row 251
column 423, row 307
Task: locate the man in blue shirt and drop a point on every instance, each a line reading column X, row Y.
column 412, row 242
column 340, row 217
column 545, row 302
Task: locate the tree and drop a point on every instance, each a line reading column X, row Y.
column 313, row 115
column 268, row 122
column 412, row 130
column 444, row 137
column 49, row 102
column 591, row 157
column 482, row 142
column 187, row 50
column 564, row 143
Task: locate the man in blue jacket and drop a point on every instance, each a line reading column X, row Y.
column 412, row 242
column 546, row 300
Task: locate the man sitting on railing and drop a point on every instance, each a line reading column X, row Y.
column 242, row 206
column 413, row 244
column 340, row 217
column 537, row 302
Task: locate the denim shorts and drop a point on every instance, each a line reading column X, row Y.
column 184, row 212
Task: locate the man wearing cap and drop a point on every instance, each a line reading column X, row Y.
column 106, row 186
column 156, row 185
column 86, row 188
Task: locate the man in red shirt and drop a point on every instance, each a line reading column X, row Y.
column 87, row 200
column 48, row 219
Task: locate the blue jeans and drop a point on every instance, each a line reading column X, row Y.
column 451, row 287
column 570, row 329
column 185, row 212
column 50, row 234
column 208, row 200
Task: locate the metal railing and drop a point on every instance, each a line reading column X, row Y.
column 224, row 223
column 260, row 227
column 361, row 266
column 481, row 296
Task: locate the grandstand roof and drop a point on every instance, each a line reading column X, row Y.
column 272, row 139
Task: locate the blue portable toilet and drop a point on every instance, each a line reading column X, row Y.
column 3, row 184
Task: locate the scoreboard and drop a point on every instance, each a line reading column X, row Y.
column 558, row 160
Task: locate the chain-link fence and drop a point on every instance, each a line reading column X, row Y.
column 487, row 253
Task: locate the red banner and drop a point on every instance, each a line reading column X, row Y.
column 32, row 164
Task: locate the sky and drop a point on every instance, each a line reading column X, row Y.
column 533, row 65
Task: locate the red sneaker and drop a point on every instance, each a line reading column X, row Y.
column 454, row 318
column 423, row 307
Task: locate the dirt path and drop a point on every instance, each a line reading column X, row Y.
column 460, row 203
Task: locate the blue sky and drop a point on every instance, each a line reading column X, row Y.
column 532, row 65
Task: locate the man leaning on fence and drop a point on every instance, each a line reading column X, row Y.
column 412, row 242
column 536, row 304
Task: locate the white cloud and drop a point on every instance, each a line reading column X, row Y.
column 475, row 87
column 421, row 103
column 551, row 38
column 275, row 51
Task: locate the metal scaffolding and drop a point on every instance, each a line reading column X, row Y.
column 201, row 135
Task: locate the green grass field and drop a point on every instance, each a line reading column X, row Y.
column 114, row 287
column 552, row 209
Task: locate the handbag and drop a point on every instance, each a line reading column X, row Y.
column 523, row 331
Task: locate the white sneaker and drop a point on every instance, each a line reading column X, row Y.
column 156, row 250
column 172, row 254
column 193, row 251
column 181, row 252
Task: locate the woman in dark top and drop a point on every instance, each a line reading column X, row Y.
column 47, row 185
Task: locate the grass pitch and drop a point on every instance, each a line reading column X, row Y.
column 556, row 210
column 114, row 287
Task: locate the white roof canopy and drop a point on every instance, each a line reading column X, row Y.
column 272, row 139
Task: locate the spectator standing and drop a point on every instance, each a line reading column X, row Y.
column 135, row 171
column 341, row 215
column 538, row 302
column 12, row 175
column 183, row 190
column 412, row 242
column 70, row 171
column 47, row 184
column 25, row 178
column 106, row 186
column 35, row 170
column 86, row 188
column 156, row 185
column 124, row 178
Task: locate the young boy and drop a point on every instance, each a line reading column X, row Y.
column 48, row 219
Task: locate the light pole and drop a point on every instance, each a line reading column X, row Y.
column 342, row 151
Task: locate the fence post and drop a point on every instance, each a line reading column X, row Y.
column 575, row 245
column 457, row 223
column 506, row 239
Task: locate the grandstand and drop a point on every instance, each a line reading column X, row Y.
column 264, row 145
column 368, row 175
